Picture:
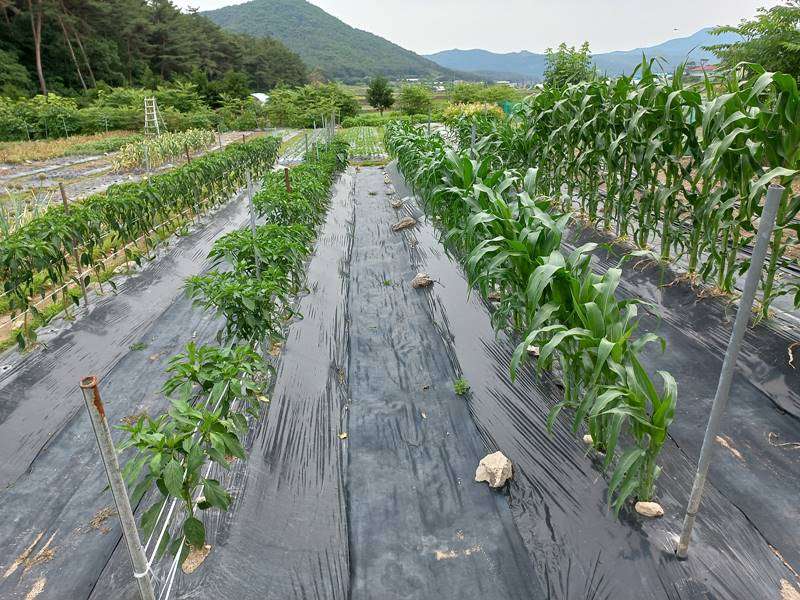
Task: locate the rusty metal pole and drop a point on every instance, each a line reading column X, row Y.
column 286, row 179
column 188, row 156
column 75, row 255
column 97, row 414
column 244, row 138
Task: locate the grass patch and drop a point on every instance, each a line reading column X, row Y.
column 460, row 386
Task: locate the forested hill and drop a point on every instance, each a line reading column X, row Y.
column 323, row 41
column 128, row 42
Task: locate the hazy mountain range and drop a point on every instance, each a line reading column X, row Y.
column 342, row 52
column 530, row 66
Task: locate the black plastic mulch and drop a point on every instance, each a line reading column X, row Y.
column 558, row 493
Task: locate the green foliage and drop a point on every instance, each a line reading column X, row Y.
column 154, row 151
column 306, row 106
column 686, row 168
column 510, row 238
column 376, row 120
column 567, row 65
column 468, row 93
column 461, row 386
column 380, row 95
column 325, row 43
column 214, row 390
column 89, row 43
column 771, row 39
column 415, row 99
column 35, row 256
column 14, row 78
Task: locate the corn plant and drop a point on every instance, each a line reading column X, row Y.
column 684, row 166
column 509, row 235
column 155, row 151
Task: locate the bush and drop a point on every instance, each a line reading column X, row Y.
column 415, row 99
column 307, row 105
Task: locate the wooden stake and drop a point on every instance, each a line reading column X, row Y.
column 75, row 255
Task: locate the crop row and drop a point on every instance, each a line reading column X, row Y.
column 213, row 390
column 38, row 256
column 154, row 151
column 682, row 168
column 509, row 235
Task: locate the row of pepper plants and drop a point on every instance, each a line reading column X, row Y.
column 685, row 166
column 214, row 389
column 509, row 234
column 38, row 257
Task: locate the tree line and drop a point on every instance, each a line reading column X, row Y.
column 68, row 46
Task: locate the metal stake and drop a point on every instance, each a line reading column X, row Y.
column 75, row 255
column 729, row 364
column 472, row 137
column 108, row 453
column 253, row 222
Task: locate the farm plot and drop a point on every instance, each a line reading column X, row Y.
column 293, row 150
column 366, row 143
column 488, row 210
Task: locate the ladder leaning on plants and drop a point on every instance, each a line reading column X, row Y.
column 153, row 123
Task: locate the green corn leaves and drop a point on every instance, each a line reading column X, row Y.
column 510, row 237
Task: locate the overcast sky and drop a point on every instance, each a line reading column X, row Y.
column 427, row 26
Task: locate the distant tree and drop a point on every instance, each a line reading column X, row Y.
column 14, row 79
column 379, row 94
column 771, row 39
column 567, row 65
column 415, row 99
column 465, row 93
column 235, row 84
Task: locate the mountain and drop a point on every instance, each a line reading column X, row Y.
column 325, row 42
column 530, row 66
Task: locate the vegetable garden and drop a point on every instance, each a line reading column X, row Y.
column 63, row 247
column 669, row 166
column 510, row 237
column 214, row 389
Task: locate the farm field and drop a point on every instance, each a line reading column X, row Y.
column 422, row 324
column 366, row 143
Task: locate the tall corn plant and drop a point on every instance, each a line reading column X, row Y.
column 510, row 236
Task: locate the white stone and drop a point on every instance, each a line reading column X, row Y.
column 495, row 469
column 533, row 350
column 421, row 280
column 649, row 509
column 587, row 439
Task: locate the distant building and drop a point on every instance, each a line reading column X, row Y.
column 259, row 97
column 412, row 79
column 439, row 88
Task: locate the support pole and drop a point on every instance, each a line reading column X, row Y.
column 146, row 159
column 287, row 180
column 253, row 223
column 306, row 141
column 188, row 156
column 473, row 134
column 219, row 137
column 75, row 255
column 97, row 413
column 729, row 364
